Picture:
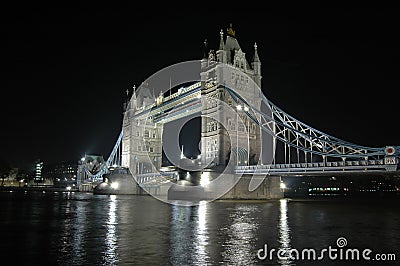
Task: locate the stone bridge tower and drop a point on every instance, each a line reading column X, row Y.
column 235, row 72
column 142, row 138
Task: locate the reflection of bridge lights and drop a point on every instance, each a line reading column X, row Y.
column 201, row 241
column 284, row 231
column 111, row 241
column 115, row 185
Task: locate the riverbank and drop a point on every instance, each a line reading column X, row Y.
column 38, row 188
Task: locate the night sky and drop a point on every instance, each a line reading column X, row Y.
column 65, row 72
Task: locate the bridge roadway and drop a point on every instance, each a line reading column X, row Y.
column 299, row 169
column 320, row 168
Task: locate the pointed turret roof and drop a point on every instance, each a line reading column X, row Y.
column 221, row 42
column 256, row 58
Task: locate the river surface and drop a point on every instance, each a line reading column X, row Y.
column 56, row 228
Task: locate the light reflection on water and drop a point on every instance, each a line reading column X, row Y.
column 83, row 229
column 284, row 232
column 201, row 234
column 241, row 235
column 189, row 236
column 71, row 244
column 111, row 243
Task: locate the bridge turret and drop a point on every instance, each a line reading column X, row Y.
column 256, row 64
column 221, row 54
column 204, row 59
column 134, row 98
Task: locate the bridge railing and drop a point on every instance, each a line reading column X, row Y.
column 341, row 164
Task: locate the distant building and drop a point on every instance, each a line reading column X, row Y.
column 38, row 178
column 62, row 174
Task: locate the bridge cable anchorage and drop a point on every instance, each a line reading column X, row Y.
column 305, row 138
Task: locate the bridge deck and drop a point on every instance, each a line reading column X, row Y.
column 319, row 168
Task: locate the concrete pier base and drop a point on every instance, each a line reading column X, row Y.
column 118, row 183
column 270, row 188
column 229, row 187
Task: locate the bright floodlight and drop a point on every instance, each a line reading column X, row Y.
column 239, row 107
column 83, row 159
column 68, row 188
column 283, row 186
column 205, row 178
column 114, row 185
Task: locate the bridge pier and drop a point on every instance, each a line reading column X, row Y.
column 120, row 181
column 189, row 187
column 270, row 188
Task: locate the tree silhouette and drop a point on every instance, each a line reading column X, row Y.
column 4, row 170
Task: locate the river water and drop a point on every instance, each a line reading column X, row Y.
column 85, row 229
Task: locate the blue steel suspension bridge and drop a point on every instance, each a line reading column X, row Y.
column 307, row 151
column 225, row 75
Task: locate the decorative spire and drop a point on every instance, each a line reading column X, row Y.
column 221, row 42
column 205, row 49
column 134, row 91
column 256, row 58
column 230, row 31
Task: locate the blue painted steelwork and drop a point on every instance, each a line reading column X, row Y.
column 280, row 125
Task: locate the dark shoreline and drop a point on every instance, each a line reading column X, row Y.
column 364, row 197
column 47, row 189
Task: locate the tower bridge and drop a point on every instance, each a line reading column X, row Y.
column 245, row 138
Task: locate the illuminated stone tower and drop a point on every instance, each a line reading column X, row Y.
column 142, row 139
column 235, row 72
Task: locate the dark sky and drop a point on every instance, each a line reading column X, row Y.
column 65, row 71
